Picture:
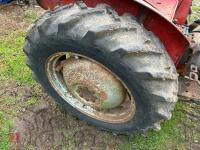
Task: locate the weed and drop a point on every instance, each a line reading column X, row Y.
column 32, row 101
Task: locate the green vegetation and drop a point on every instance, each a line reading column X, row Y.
column 12, row 68
column 12, row 62
column 32, row 101
column 170, row 137
column 5, row 126
column 195, row 12
column 30, row 15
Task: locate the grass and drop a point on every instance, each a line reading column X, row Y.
column 169, row 136
column 195, row 13
column 12, row 60
column 5, row 126
column 7, row 69
column 32, row 101
column 30, row 15
column 12, row 68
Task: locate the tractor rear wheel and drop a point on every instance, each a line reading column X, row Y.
column 103, row 68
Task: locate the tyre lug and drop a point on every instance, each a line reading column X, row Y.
column 76, row 57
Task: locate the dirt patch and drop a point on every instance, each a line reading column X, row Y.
column 15, row 18
column 191, row 126
column 45, row 126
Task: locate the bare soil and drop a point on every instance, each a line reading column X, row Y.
column 45, row 126
column 13, row 18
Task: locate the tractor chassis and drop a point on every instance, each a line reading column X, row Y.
column 189, row 90
column 189, row 84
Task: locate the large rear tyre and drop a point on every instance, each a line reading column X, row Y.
column 103, row 68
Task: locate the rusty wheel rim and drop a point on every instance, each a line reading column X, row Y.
column 90, row 87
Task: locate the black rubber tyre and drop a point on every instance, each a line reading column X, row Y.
column 118, row 42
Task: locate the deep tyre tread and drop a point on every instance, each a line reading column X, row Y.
column 118, row 42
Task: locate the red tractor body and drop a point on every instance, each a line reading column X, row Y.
column 157, row 16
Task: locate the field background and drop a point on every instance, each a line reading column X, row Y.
column 29, row 119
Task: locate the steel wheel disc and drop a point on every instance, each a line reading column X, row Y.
column 90, row 87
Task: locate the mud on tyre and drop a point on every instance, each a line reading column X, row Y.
column 117, row 44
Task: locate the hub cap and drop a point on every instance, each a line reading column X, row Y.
column 90, row 87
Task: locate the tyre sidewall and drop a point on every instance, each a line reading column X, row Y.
column 50, row 45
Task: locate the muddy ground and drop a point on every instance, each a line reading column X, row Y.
column 43, row 125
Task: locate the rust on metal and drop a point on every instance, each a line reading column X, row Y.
column 93, row 81
column 86, row 94
column 90, row 87
column 60, row 66
column 190, row 54
column 189, row 90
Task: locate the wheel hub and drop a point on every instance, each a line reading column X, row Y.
column 90, row 87
column 92, row 84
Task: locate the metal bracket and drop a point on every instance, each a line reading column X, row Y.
column 189, row 87
column 194, row 73
column 194, row 25
column 189, row 90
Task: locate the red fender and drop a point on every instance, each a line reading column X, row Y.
column 172, row 38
